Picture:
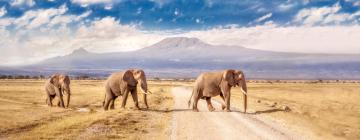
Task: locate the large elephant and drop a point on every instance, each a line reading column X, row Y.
column 121, row 83
column 211, row 84
column 58, row 85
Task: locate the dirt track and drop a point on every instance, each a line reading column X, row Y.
column 220, row 125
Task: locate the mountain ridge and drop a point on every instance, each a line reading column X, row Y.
column 187, row 57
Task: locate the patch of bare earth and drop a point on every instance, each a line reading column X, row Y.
column 85, row 119
column 187, row 124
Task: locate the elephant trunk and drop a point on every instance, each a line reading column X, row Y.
column 67, row 100
column 145, row 91
column 67, row 90
column 244, row 90
column 144, row 86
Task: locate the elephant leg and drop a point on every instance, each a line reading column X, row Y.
column 108, row 99
column 48, row 98
column 59, row 102
column 135, row 98
column 124, row 99
column 60, row 96
column 196, row 99
column 210, row 107
column 145, row 101
column 223, row 106
column 227, row 102
column 112, row 102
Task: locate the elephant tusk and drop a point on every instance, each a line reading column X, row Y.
column 243, row 91
column 150, row 92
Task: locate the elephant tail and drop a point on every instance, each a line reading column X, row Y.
column 103, row 103
column 192, row 94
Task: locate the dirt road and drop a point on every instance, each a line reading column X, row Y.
column 220, row 125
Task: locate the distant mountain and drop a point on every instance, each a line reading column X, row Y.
column 187, row 57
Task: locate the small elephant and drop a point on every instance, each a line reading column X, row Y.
column 57, row 85
column 121, row 83
column 211, row 84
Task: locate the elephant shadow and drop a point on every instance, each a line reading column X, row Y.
column 185, row 110
column 167, row 110
column 266, row 111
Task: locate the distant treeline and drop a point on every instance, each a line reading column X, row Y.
column 87, row 77
column 80, row 77
column 21, row 77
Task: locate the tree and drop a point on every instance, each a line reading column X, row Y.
column 35, row 77
column 3, row 76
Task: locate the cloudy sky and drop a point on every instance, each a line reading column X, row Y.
column 33, row 30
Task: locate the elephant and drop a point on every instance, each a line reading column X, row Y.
column 210, row 84
column 121, row 83
column 58, row 85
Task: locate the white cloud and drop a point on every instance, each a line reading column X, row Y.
column 66, row 19
column 34, row 18
column 285, row 7
column 5, row 22
column 138, row 11
column 327, row 39
column 109, row 35
column 2, row 11
column 85, row 3
column 177, row 12
column 357, row 3
column 44, row 16
column 323, row 16
column 29, row 3
column 198, row 20
column 159, row 20
column 160, row 3
column 264, row 17
column 108, row 7
column 103, row 35
column 305, row 2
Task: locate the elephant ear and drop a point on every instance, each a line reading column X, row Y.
column 54, row 79
column 228, row 76
column 128, row 77
column 243, row 81
column 65, row 79
column 138, row 73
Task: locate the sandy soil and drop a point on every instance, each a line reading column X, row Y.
column 220, row 125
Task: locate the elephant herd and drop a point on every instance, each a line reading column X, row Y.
column 206, row 86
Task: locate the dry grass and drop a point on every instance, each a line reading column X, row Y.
column 24, row 114
column 326, row 111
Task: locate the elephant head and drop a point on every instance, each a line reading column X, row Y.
column 62, row 82
column 141, row 78
column 237, row 78
column 129, row 79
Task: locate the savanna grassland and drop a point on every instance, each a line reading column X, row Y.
column 322, row 110
column 24, row 115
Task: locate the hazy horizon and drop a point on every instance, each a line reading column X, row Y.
column 32, row 30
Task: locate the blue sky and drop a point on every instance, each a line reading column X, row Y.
column 186, row 14
column 33, row 30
